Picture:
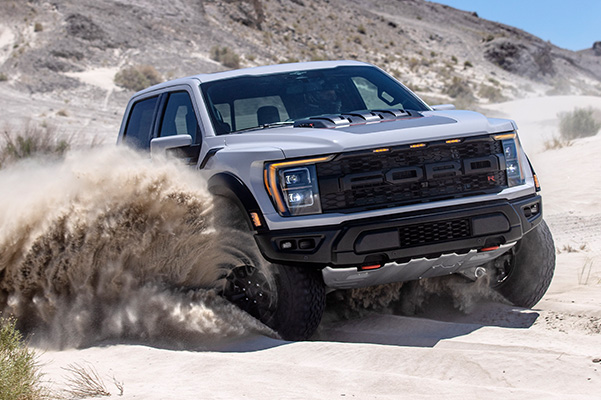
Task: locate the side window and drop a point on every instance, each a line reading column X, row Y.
column 138, row 130
column 179, row 117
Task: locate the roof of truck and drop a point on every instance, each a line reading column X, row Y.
column 255, row 71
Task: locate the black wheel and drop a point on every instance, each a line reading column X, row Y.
column 290, row 300
column 524, row 274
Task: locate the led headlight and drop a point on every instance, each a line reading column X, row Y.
column 512, row 153
column 293, row 187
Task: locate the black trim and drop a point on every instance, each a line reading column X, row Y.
column 208, row 156
column 229, row 186
column 378, row 240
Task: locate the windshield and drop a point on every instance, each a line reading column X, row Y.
column 249, row 102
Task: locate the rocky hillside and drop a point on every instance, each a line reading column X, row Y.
column 68, row 51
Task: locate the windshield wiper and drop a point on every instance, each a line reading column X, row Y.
column 265, row 126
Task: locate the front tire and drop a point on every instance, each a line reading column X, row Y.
column 524, row 274
column 290, row 300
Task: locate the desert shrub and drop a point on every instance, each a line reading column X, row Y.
column 556, row 143
column 493, row 94
column 3, row 77
column 31, row 141
column 138, row 77
column 38, row 27
column 461, row 92
column 225, row 56
column 458, row 88
column 19, row 370
column 579, row 123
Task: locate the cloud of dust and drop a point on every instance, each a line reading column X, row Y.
column 411, row 298
column 107, row 244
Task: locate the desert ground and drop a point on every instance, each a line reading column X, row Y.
column 464, row 347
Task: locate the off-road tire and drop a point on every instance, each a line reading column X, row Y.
column 290, row 300
column 528, row 268
column 301, row 302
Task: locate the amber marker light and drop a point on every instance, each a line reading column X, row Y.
column 256, row 220
column 385, row 150
column 451, row 141
column 536, row 183
column 505, row 136
column 417, row 145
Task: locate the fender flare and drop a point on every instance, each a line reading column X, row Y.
column 232, row 188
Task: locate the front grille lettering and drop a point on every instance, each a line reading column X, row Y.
column 408, row 176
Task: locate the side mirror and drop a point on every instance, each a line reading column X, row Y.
column 159, row 146
column 443, row 107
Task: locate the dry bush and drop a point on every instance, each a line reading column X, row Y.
column 556, row 143
column 579, row 123
column 85, row 382
column 138, row 77
column 19, row 369
column 493, row 94
column 225, row 56
column 461, row 92
column 32, row 140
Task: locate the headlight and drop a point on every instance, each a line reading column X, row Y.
column 512, row 152
column 293, row 187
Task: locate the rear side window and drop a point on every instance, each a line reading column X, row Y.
column 139, row 126
column 179, row 117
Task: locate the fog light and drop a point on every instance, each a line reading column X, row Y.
column 287, row 245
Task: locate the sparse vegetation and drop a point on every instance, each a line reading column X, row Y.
column 225, row 56
column 556, row 143
column 85, row 382
column 138, row 77
column 38, row 27
column 493, row 94
column 461, row 91
column 32, row 140
column 3, row 77
column 19, row 370
column 579, row 123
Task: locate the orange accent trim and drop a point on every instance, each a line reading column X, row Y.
column 504, row 136
column 368, row 267
column 489, row 248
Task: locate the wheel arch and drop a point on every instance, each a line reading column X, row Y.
column 232, row 188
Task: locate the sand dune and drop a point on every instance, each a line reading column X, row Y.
column 494, row 351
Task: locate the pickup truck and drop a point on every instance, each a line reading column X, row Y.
column 336, row 176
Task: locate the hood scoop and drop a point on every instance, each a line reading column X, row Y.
column 356, row 118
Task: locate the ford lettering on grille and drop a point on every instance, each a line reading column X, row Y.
column 406, row 176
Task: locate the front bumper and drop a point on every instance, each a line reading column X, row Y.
column 402, row 237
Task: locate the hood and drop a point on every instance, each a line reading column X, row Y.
column 433, row 125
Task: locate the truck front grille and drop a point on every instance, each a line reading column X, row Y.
column 434, row 232
column 404, row 175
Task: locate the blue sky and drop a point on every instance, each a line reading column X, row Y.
column 573, row 25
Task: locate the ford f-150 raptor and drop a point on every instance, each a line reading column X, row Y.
column 346, row 179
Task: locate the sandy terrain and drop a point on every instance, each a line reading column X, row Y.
column 494, row 351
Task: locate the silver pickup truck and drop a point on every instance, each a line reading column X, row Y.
column 346, row 179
